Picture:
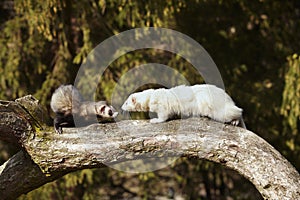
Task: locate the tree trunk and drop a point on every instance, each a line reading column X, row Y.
column 46, row 156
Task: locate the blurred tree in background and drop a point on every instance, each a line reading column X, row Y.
column 255, row 45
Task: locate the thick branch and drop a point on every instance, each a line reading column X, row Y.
column 20, row 175
column 107, row 144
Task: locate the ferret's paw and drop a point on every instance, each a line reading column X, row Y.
column 156, row 120
column 235, row 122
column 58, row 130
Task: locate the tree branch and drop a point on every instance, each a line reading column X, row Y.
column 47, row 155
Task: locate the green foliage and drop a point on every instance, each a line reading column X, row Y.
column 74, row 182
column 43, row 44
column 290, row 108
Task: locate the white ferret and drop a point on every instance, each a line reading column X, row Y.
column 66, row 101
column 198, row 100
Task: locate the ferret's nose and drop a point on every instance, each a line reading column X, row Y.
column 110, row 112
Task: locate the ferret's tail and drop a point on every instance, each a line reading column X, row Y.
column 236, row 113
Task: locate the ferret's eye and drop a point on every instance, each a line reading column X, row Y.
column 102, row 109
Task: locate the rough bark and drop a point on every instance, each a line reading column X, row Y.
column 46, row 155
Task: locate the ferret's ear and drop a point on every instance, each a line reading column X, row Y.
column 133, row 100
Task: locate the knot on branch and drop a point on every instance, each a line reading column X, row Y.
column 21, row 117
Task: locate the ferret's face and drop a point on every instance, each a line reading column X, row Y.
column 106, row 111
column 131, row 104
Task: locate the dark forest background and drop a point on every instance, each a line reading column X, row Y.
column 255, row 45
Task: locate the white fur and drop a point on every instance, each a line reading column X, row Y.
column 198, row 100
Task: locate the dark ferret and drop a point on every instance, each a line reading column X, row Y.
column 66, row 102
